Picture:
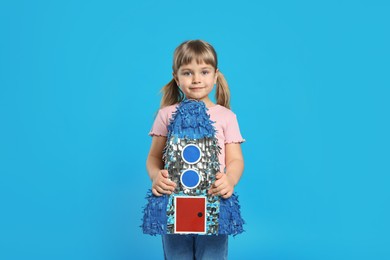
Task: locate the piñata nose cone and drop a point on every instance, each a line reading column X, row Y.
column 191, row 121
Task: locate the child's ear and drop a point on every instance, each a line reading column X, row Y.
column 216, row 76
column 175, row 78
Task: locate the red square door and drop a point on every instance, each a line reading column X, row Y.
column 190, row 214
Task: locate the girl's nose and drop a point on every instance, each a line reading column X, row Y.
column 195, row 78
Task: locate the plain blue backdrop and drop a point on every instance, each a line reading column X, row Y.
column 79, row 87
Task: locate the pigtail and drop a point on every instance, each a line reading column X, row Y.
column 222, row 94
column 171, row 94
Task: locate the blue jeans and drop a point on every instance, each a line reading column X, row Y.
column 189, row 247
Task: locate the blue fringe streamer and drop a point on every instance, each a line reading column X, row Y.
column 230, row 221
column 191, row 120
column 155, row 216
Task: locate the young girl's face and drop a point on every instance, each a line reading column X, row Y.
column 196, row 81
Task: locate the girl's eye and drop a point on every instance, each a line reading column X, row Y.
column 205, row 72
column 186, row 73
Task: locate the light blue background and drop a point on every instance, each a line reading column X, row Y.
column 79, row 86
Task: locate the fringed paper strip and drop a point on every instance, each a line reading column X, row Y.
column 155, row 218
column 155, row 214
column 230, row 220
column 191, row 121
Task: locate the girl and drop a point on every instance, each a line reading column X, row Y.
column 195, row 72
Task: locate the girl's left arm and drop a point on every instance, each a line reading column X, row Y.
column 225, row 183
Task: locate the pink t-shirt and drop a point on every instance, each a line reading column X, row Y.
column 225, row 120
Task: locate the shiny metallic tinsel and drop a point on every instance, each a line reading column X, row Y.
column 207, row 167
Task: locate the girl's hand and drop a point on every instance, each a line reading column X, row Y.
column 161, row 184
column 223, row 186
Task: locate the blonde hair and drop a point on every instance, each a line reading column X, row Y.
column 183, row 55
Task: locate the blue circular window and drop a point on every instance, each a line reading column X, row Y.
column 191, row 154
column 190, row 178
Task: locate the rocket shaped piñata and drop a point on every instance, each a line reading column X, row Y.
column 191, row 158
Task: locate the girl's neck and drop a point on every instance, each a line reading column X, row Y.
column 209, row 105
column 208, row 102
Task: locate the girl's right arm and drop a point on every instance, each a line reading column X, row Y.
column 154, row 165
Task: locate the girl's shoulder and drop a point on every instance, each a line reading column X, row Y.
column 222, row 112
column 168, row 110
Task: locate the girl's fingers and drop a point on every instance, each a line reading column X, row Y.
column 164, row 186
column 218, row 191
column 212, row 191
column 165, row 180
column 220, row 179
column 163, row 191
column 221, row 187
column 155, row 192
column 227, row 195
column 169, row 183
column 223, row 192
column 164, row 173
